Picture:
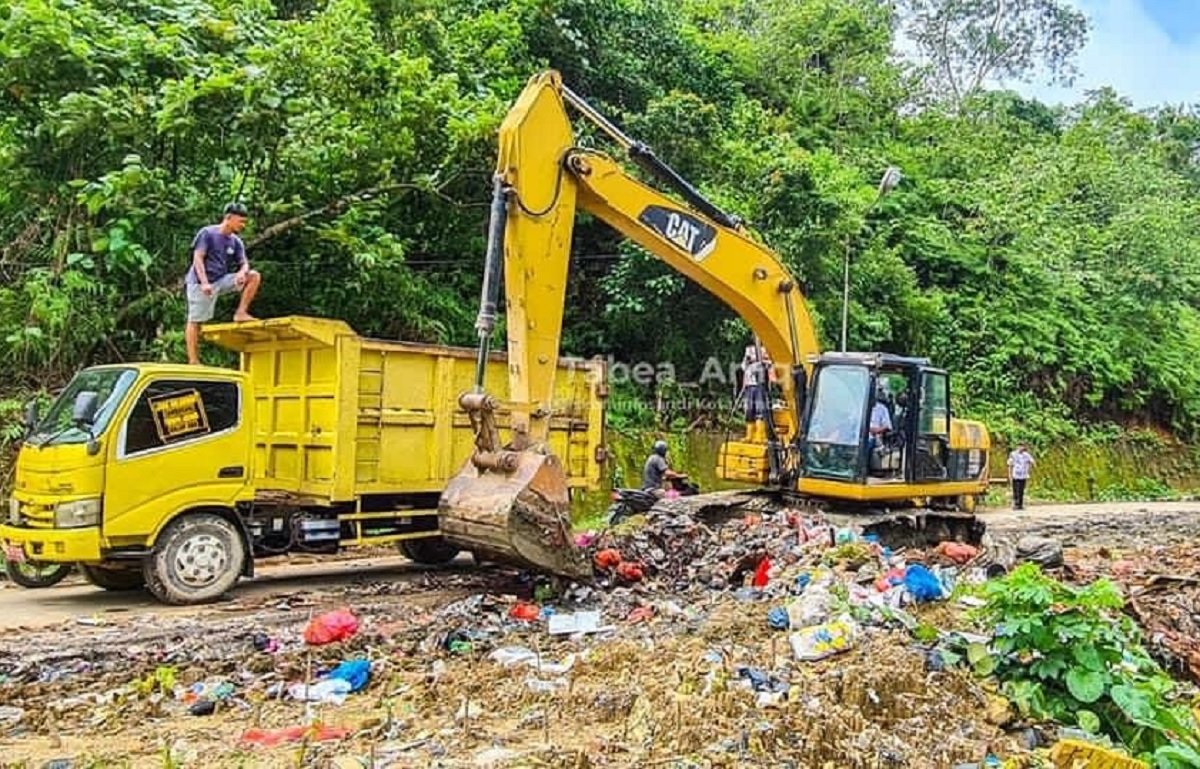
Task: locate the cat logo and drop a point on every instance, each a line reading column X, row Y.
column 684, row 231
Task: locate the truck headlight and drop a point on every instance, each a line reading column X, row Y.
column 74, row 515
column 14, row 511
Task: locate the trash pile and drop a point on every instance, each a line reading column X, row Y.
column 1162, row 586
column 736, row 640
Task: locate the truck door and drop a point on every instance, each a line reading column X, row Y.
column 184, row 443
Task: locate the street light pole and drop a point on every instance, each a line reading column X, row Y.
column 888, row 182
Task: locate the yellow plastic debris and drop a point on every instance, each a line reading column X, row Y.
column 1077, row 754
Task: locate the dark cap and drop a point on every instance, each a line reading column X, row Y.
column 236, row 209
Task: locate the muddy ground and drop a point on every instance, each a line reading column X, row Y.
column 89, row 679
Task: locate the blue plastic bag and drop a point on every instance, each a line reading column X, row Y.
column 354, row 672
column 777, row 618
column 921, row 582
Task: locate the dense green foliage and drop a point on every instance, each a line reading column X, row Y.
column 1048, row 256
column 1069, row 654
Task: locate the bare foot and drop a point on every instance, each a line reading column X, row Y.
column 243, row 317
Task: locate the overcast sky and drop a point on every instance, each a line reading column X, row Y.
column 1148, row 50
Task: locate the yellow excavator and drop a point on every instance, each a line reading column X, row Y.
column 815, row 445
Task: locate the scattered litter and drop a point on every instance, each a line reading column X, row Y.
column 510, row 656
column 354, row 672
column 471, row 710
column 330, row 691
column 539, row 686
column 269, row 738
column 821, row 641
column 579, row 622
column 524, row 612
column 264, row 643
column 335, row 626
column 777, row 618
column 922, row 583
column 958, row 552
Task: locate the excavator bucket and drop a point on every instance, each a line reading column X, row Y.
column 513, row 507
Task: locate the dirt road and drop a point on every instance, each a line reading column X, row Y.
column 77, row 600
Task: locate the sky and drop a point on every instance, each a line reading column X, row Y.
column 1148, row 50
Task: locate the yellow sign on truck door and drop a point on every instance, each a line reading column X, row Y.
column 178, row 415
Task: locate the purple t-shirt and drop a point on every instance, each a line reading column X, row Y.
column 219, row 250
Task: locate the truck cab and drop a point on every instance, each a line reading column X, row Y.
column 100, row 472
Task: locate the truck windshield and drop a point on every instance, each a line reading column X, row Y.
column 110, row 384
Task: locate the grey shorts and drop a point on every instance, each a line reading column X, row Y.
column 201, row 307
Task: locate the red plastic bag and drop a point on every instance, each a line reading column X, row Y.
column 760, row 574
column 640, row 614
column 958, row 552
column 630, row 572
column 526, row 612
column 607, row 559
column 269, row 738
column 333, row 626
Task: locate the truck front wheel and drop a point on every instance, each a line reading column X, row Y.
column 114, row 578
column 430, row 551
column 197, row 559
column 34, row 574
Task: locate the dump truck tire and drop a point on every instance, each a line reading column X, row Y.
column 114, row 578
column 197, row 559
column 36, row 574
column 430, row 551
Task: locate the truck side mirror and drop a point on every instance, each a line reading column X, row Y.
column 86, row 405
column 31, row 416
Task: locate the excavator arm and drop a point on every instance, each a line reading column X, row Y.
column 542, row 179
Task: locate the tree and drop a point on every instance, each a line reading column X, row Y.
column 967, row 44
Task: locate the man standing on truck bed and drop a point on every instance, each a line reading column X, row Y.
column 214, row 247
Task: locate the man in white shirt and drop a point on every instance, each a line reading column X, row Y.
column 1020, row 467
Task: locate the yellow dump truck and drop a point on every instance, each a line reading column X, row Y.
column 175, row 477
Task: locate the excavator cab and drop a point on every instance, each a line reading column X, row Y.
column 878, row 427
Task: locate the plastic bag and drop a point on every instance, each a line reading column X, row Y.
column 269, row 738
column 922, row 583
column 525, row 612
column 777, row 618
column 354, row 672
column 811, row 607
column 330, row 691
column 762, row 573
column 958, row 552
column 333, row 626
column 821, row 641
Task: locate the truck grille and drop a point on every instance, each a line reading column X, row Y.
column 37, row 516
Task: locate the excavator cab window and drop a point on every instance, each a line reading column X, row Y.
column 837, row 422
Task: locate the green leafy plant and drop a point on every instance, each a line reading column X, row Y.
column 1070, row 654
